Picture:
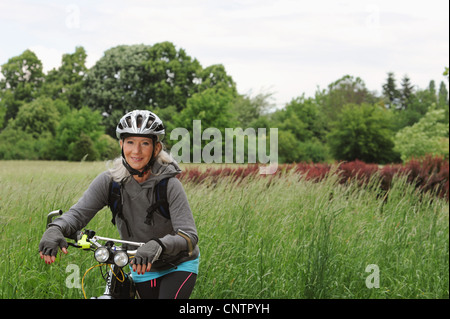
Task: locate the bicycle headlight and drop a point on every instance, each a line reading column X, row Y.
column 121, row 258
column 101, row 254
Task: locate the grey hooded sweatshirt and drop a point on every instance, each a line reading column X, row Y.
column 137, row 198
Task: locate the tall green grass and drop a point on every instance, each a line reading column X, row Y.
column 261, row 237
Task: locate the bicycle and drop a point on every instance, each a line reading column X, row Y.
column 119, row 285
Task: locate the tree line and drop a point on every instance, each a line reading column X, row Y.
column 70, row 113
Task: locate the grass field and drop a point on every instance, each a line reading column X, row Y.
column 285, row 237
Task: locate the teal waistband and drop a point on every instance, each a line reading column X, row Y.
column 188, row 266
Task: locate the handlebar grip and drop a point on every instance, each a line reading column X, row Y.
column 52, row 215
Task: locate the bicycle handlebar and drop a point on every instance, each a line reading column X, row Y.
column 120, row 241
column 94, row 238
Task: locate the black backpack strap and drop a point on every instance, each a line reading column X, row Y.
column 161, row 196
column 115, row 200
column 161, row 204
column 115, row 204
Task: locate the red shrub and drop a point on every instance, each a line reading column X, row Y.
column 357, row 170
column 427, row 174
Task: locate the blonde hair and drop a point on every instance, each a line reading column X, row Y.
column 119, row 172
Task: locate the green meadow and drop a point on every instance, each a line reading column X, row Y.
column 262, row 237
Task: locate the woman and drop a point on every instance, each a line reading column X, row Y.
column 161, row 268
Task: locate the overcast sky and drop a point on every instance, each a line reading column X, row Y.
column 285, row 47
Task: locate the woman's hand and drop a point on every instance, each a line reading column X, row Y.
column 145, row 256
column 51, row 259
column 52, row 239
column 141, row 269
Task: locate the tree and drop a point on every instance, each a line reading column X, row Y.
column 362, row 132
column 346, row 90
column 390, row 92
column 443, row 96
column 248, row 109
column 71, row 129
column 82, row 149
column 406, row 92
column 309, row 112
column 18, row 145
column 117, row 82
column 146, row 77
column 171, row 76
column 432, row 88
column 22, row 80
column 430, row 135
column 288, row 147
column 30, row 135
column 66, row 83
column 215, row 76
column 36, row 118
column 213, row 108
column 443, row 100
column 419, row 105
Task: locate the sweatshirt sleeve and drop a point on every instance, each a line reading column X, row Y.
column 93, row 200
column 181, row 217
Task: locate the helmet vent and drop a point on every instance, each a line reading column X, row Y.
column 160, row 127
column 128, row 120
column 139, row 121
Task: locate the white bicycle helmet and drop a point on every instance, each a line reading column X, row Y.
column 141, row 122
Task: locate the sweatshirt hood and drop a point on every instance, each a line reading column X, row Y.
column 160, row 172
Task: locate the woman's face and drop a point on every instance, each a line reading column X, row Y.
column 138, row 150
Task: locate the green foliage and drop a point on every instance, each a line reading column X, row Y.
column 390, row 92
column 288, row 147
column 302, row 131
column 212, row 106
column 117, row 80
column 28, row 135
column 165, row 79
column 17, row 144
column 406, row 92
column 362, row 132
column 73, row 130
column 248, row 109
column 108, row 147
column 131, row 77
column 443, row 96
column 346, row 90
column 66, row 83
column 171, row 76
column 314, row 151
column 36, row 117
column 216, row 77
column 82, row 149
column 22, row 80
column 428, row 136
column 418, row 106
